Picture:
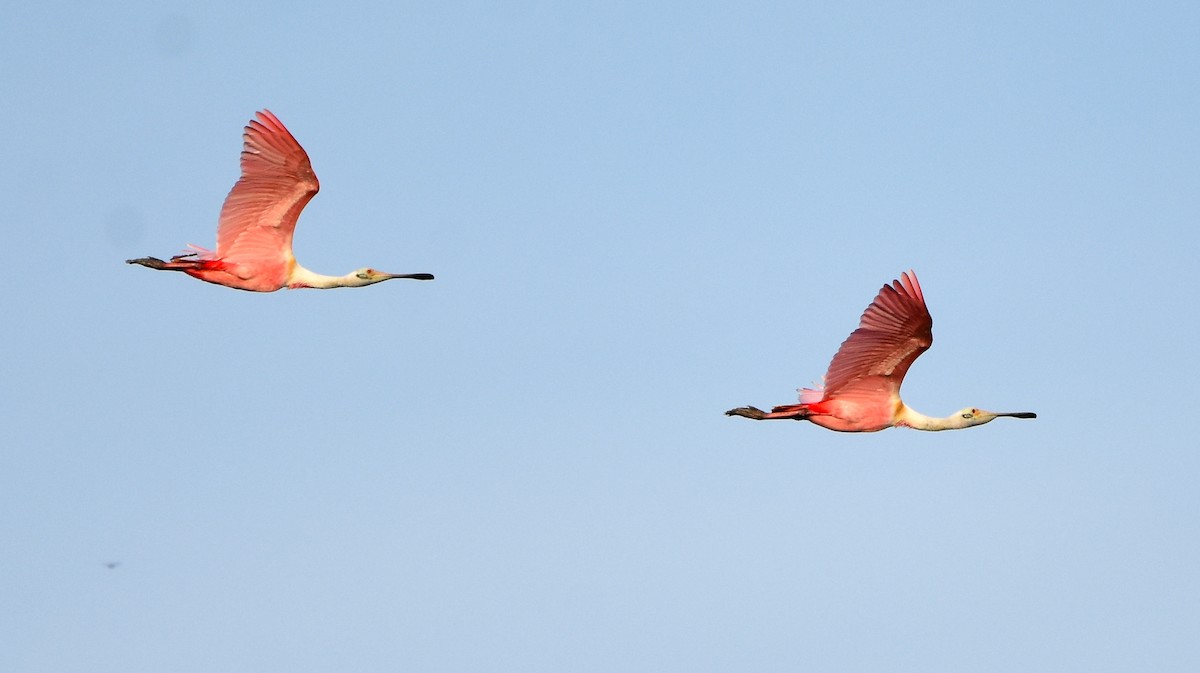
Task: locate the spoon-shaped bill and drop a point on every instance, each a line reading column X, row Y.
column 414, row 276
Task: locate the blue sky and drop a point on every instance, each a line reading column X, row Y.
column 639, row 215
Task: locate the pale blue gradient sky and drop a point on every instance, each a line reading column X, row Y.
column 640, row 215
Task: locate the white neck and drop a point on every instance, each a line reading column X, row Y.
column 910, row 418
column 302, row 277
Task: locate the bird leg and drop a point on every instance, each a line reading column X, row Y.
column 748, row 412
column 796, row 412
column 178, row 263
column 152, row 262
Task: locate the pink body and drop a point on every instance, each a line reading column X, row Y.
column 862, row 386
column 844, row 415
column 254, row 236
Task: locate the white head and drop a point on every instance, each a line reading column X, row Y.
column 972, row 416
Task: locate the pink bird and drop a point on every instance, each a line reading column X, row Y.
column 862, row 387
column 254, row 234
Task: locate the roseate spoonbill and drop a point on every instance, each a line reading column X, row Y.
column 862, row 387
column 254, row 234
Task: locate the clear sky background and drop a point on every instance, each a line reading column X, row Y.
column 640, row 215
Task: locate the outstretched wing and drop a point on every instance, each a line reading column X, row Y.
column 277, row 181
column 894, row 330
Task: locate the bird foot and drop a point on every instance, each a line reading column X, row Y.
column 152, row 262
column 748, row 412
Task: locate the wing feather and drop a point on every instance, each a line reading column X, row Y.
column 260, row 213
column 894, row 330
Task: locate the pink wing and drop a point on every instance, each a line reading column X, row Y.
column 894, row 330
column 277, row 181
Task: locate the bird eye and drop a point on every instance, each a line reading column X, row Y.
column 966, row 415
column 365, row 275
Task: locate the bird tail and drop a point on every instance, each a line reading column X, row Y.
column 798, row 412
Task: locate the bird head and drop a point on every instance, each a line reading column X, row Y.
column 370, row 276
column 975, row 416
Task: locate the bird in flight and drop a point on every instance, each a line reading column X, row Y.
column 254, row 234
column 862, row 387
